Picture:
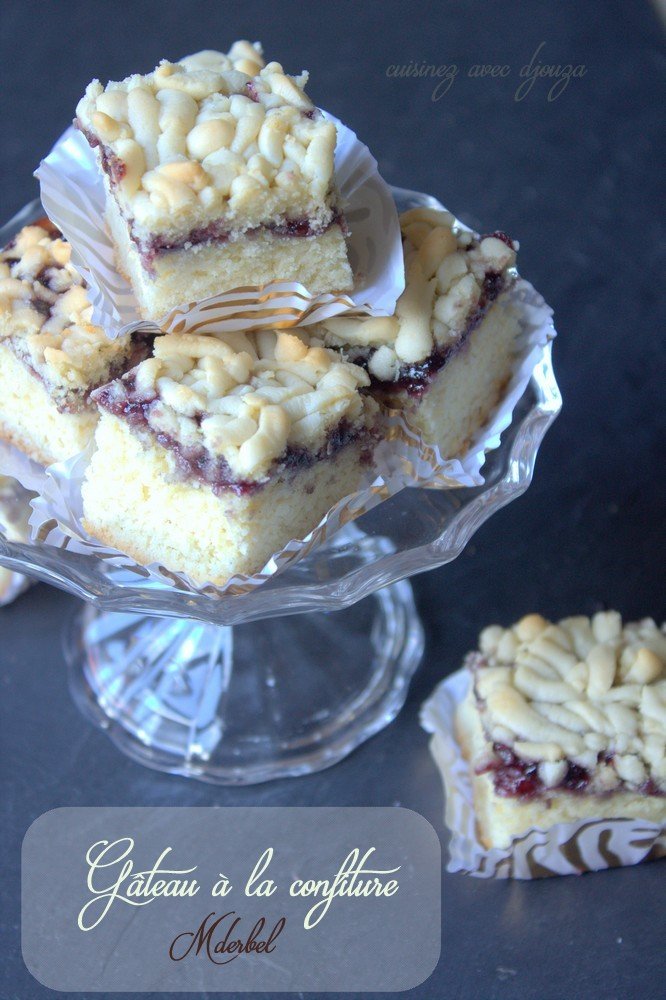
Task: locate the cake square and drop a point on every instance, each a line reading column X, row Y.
column 447, row 354
column 51, row 355
column 220, row 449
column 565, row 722
column 219, row 174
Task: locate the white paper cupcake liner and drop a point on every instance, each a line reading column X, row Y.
column 13, row 587
column 401, row 459
column 72, row 193
column 14, row 514
column 564, row 849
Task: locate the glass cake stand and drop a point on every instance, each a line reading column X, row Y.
column 290, row 677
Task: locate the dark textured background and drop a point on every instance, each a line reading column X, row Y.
column 577, row 180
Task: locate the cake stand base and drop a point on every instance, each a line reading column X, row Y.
column 249, row 703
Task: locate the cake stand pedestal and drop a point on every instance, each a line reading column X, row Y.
column 246, row 703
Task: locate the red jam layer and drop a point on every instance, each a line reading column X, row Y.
column 111, row 164
column 197, row 462
column 416, row 379
column 214, row 232
column 140, row 344
column 141, row 347
column 514, row 777
column 517, row 778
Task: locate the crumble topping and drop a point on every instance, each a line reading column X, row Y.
column 450, row 277
column 45, row 315
column 244, row 397
column 580, row 704
column 212, row 136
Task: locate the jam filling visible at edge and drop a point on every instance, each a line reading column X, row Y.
column 415, row 379
column 198, row 463
column 141, row 345
column 514, row 777
column 77, row 399
column 517, row 778
column 214, row 232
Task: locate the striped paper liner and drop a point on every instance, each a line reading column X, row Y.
column 72, row 193
column 564, row 849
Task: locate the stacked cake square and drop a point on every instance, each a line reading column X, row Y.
column 213, row 450
column 219, row 173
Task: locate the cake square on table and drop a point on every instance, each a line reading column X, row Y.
column 447, row 354
column 219, row 174
column 220, row 449
column 51, row 355
column 565, row 722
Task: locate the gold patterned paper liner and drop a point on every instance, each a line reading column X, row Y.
column 277, row 317
column 563, row 849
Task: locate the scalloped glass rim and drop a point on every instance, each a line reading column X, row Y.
column 414, row 531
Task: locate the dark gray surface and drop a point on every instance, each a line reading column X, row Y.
column 577, row 180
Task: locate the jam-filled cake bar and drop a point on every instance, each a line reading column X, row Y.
column 51, row 356
column 219, row 174
column 217, row 451
column 447, row 353
column 565, row 722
